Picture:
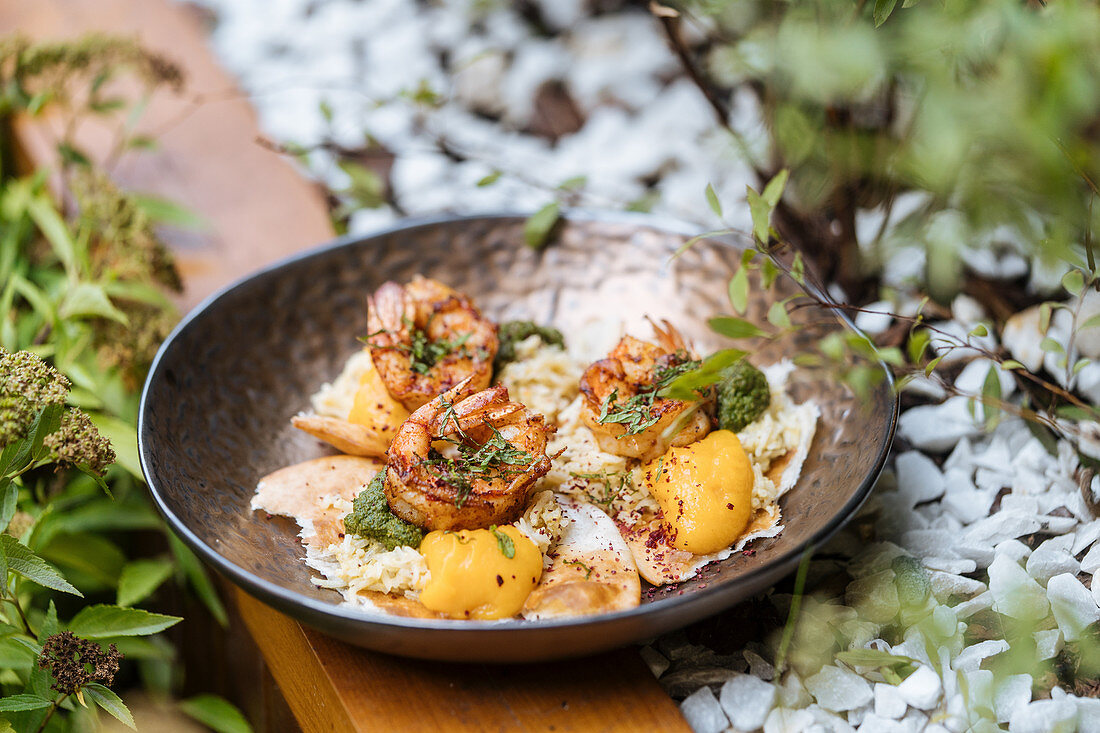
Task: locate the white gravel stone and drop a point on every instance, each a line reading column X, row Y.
column 1014, row 550
column 703, row 713
column 1046, row 562
column 980, row 602
column 1023, row 337
column 937, row 428
column 1086, row 536
column 946, row 585
column 876, row 322
column 1015, row 593
column 971, row 379
column 747, row 701
column 792, row 693
column 1012, row 693
column 888, row 701
column 839, row 689
column 1003, row 525
column 1090, row 563
column 970, row 658
column 878, row 724
column 783, row 720
column 1044, row 716
column 919, row 478
column 1073, row 605
column 1048, row 643
column 1088, row 714
column 922, row 689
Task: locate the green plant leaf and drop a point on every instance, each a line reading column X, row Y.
column 140, row 578
column 883, row 9
column 88, row 300
column 872, row 658
column 687, row 385
column 991, row 390
column 798, row 269
column 86, row 558
column 537, row 228
column 110, row 702
column 216, row 713
column 734, row 328
column 1074, row 281
column 200, row 581
column 713, row 202
column 489, row 180
column 774, row 190
column 19, row 703
column 25, row 563
column 1092, row 322
column 47, row 421
column 691, row 242
column 123, row 437
column 55, row 230
column 778, row 316
column 101, row 621
column 761, row 215
column 739, row 290
column 980, row 330
column 9, row 497
column 918, row 343
column 168, row 212
column 1050, row 345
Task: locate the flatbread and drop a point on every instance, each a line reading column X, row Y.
column 346, row 437
column 591, row 571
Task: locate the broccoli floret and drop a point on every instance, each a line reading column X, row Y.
column 743, row 395
column 512, row 332
column 371, row 518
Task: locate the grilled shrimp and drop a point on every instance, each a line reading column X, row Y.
column 621, row 405
column 425, row 338
column 496, row 454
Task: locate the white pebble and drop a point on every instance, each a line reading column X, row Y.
column 1088, row 714
column 919, row 478
column 1046, row 562
column 946, row 585
column 1014, row 550
column 980, row 602
column 838, row 689
column 922, row 689
column 703, row 713
column 1004, row 525
column 878, row 724
column 970, row 659
column 1013, row 692
column 782, row 720
column 747, row 700
column 1015, row 593
column 972, row 378
column 1090, row 563
column 875, row 323
column 1044, row 716
column 1048, row 643
column 1023, row 337
column 1086, row 535
column 888, row 701
column 1073, row 606
column 656, row 661
column 938, row 427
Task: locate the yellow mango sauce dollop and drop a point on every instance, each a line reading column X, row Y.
column 374, row 407
column 705, row 492
column 471, row 577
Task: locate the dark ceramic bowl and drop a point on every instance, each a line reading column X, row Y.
column 215, row 414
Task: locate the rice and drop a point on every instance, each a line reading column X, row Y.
column 335, row 399
column 773, row 434
column 357, row 564
column 542, row 377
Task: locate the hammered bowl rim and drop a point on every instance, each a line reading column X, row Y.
column 285, row 598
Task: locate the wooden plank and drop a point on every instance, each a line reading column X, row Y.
column 610, row 692
column 260, row 209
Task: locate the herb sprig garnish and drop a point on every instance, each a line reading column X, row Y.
column 424, row 352
column 636, row 412
column 504, row 542
column 495, row 458
column 587, row 570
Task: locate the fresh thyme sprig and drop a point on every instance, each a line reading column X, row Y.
column 504, row 542
column 607, row 479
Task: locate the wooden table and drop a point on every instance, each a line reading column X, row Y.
column 259, row 209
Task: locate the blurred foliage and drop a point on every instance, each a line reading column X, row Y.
column 83, row 307
column 982, row 116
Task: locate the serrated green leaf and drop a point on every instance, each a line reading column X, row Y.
column 9, row 497
column 739, row 290
column 102, row 621
column 713, row 202
column 86, row 558
column 734, row 328
column 88, row 300
column 19, row 703
column 140, row 578
column 110, row 702
column 537, row 228
column 25, row 563
column 216, row 714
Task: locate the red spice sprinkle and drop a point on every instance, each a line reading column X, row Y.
column 500, row 581
column 729, row 506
